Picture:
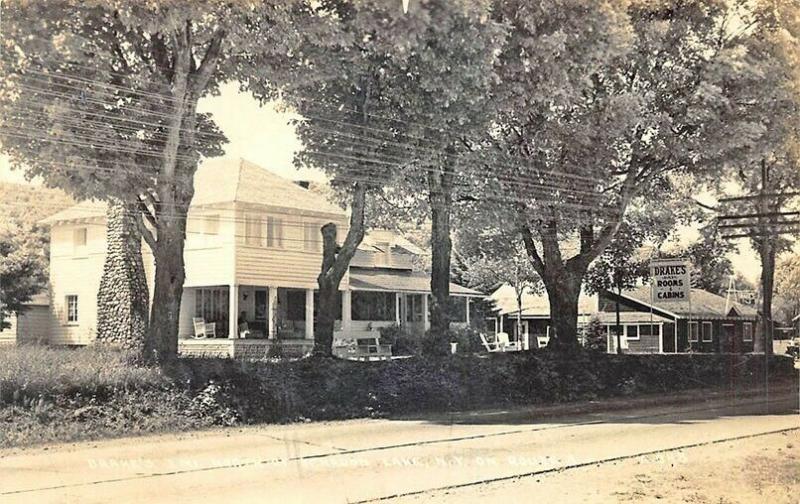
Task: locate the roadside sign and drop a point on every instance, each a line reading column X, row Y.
column 670, row 280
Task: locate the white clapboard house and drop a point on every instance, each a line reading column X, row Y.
column 253, row 253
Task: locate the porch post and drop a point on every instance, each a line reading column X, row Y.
column 466, row 298
column 347, row 311
column 425, row 317
column 397, row 303
column 309, row 313
column 233, row 311
column 272, row 311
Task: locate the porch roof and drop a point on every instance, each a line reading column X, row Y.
column 400, row 281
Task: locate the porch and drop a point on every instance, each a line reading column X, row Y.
column 249, row 312
column 244, row 348
column 252, row 320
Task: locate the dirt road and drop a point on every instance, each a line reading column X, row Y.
column 694, row 452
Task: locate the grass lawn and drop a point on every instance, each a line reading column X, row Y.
column 50, row 394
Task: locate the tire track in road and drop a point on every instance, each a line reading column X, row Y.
column 574, row 466
column 357, row 451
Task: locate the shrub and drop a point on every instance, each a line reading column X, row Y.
column 58, row 394
column 403, row 342
column 467, row 338
column 596, row 336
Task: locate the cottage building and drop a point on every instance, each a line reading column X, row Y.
column 31, row 325
column 708, row 323
column 253, row 252
column 535, row 314
column 705, row 323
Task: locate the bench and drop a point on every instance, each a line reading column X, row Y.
column 364, row 349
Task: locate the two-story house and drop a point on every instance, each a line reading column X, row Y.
column 253, row 253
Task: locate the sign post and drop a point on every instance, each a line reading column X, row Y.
column 670, row 282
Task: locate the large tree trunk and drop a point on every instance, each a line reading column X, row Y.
column 335, row 263
column 174, row 191
column 563, row 293
column 162, row 343
column 122, row 300
column 441, row 201
column 563, row 278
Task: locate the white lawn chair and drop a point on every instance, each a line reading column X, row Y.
column 542, row 341
column 490, row 347
column 204, row 330
column 506, row 345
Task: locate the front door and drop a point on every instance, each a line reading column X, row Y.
column 728, row 343
column 411, row 313
column 668, row 338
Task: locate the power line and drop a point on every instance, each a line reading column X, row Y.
column 88, row 143
column 383, row 131
column 758, row 196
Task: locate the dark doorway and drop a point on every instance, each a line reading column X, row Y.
column 668, row 338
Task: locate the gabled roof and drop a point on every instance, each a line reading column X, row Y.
column 226, row 181
column 536, row 305
column 399, row 281
column 703, row 304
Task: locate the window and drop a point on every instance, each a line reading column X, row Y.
column 274, row 232
column 707, row 332
column 252, row 231
column 633, row 332
column 693, row 332
column 211, row 224
column 212, row 305
column 378, row 306
column 458, row 309
column 312, row 238
column 79, row 240
column 747, row 335
column 71, row 303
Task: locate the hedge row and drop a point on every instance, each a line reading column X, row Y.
column 326, row 389
column 49, row 394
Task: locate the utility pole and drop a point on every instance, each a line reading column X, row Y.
column 765, row 225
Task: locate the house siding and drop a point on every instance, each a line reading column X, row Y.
column 9, row 334
column 33, row 325
column 75, row 273
column 289, row 265
column 720, row 341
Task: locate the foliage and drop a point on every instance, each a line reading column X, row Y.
column 596, row 336
column 61, row 394
column 711, row 268
column 619, row 267
column 403, row 342
column 23, row 267
column 101, row 100
column 787, row 289
column 35, row 371
column 637, row 96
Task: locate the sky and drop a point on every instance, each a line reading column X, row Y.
column 264, row 136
